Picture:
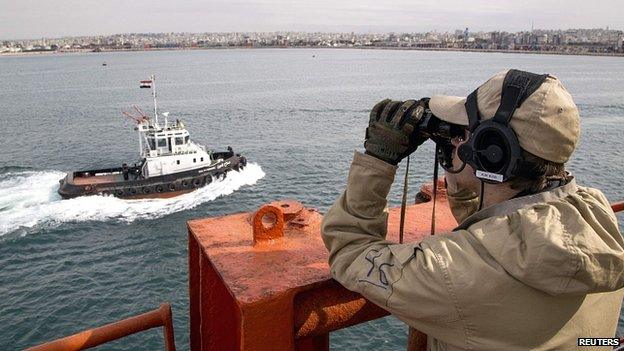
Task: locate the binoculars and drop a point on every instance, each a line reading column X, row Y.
column 428, row 126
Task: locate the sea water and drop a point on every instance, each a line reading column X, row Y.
column 296, row 114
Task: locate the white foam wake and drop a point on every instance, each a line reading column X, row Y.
column 29, row 199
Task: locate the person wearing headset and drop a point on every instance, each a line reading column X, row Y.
column 537, row 260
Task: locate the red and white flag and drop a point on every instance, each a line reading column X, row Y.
column 146, row 84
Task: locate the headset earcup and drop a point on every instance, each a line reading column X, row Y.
column 495, row 149
column 494, row 154
column 491, row 148
column 466, row 153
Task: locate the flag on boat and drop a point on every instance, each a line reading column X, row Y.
column 146, row 84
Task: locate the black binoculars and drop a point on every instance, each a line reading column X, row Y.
column 428, row 126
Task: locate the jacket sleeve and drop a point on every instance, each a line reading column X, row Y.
column 405, row 279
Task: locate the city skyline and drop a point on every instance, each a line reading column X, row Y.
column 29, row 20
column 573, row 41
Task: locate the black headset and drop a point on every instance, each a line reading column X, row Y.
column 492, row 149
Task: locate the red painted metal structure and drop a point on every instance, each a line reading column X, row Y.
column 117, row 330
column 261, row 281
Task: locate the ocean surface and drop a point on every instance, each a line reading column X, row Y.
column 297, row 114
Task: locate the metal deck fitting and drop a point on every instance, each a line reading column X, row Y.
column 261, row 281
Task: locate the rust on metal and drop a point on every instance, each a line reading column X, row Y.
column 426, row 192
column 416, row 340
column 113, row 331
column 330, row 307
column 290, row 208
column 278, row 294
column 268, row 224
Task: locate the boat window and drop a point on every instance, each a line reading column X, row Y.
column 177, row 161
column 194, row 160
column 201, row 159
column 162, row 142
column 186, row 139
column 179, row 141
column 152, row 143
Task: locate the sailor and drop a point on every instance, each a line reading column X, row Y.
column 537, row 260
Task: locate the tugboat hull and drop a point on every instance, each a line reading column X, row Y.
column 111, row 181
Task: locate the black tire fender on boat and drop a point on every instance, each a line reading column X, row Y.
column 196, row 182
column 172, row 187
column 184, row 184
column 132, row 191
column 119, row 192
column 159, row 189
column 146, row 190
column 208, row 179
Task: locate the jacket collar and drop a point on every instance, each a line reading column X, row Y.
column 507, row 207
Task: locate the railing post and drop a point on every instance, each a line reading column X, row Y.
column 416, row 340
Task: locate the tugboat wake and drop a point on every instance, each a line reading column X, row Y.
column 31, row 202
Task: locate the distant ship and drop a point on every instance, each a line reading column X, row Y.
column 170, row 163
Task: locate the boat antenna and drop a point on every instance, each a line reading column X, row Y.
column 141, row 113
column 132, row 117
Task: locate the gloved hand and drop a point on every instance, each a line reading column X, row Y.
column 391, row 134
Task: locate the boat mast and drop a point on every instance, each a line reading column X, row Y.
column 153, row 79
column 140, row 140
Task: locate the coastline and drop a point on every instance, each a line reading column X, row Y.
column 503, row 51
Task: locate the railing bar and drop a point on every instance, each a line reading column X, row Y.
column 116, row 330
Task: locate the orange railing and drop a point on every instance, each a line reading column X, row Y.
column 117, row 330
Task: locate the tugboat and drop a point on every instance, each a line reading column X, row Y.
column 170, row 163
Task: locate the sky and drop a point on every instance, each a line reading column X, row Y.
column 29, row 19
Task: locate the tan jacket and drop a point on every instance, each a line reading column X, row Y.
column 535, row 272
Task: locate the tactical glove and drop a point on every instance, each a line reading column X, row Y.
column 391, row 134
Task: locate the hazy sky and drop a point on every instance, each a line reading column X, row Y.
column 54, row 18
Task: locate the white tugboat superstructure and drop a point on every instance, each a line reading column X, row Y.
column 167, row 148
column 170, row 163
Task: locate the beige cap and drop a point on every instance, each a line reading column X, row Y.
column 547, row 122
